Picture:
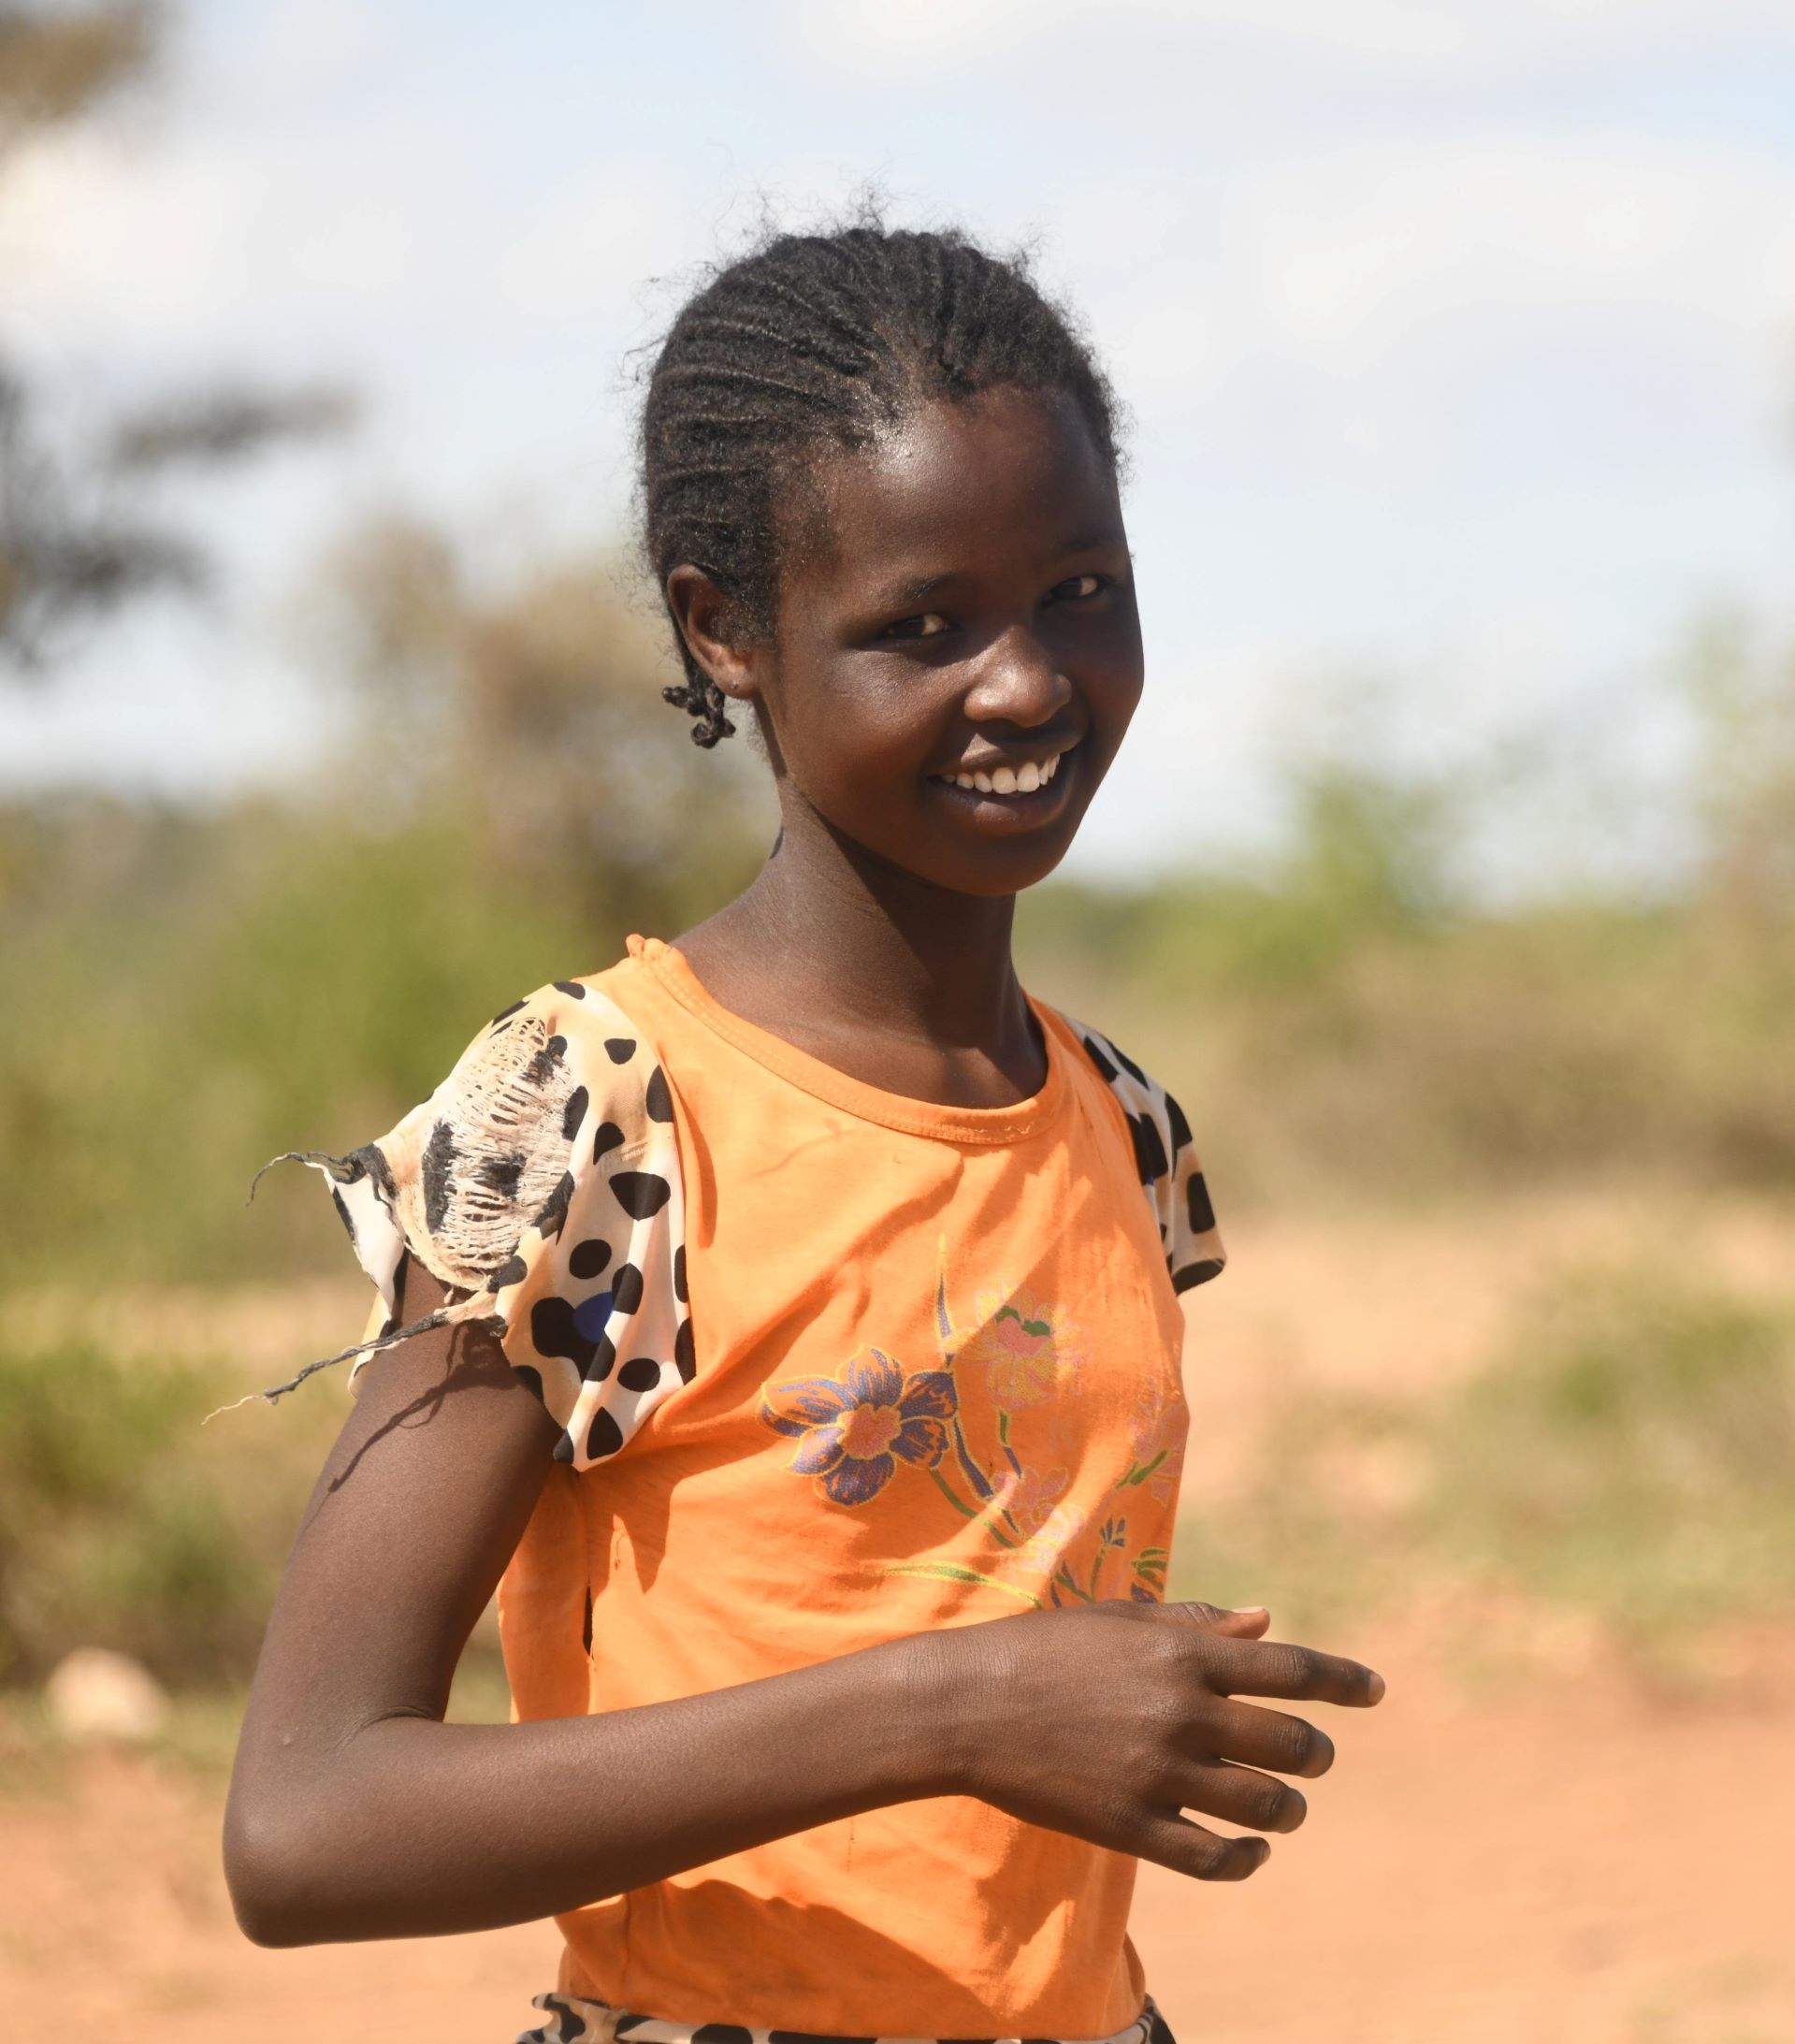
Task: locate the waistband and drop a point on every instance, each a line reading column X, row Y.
column 574, row 2020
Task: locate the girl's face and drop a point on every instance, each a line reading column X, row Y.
column 957, row 655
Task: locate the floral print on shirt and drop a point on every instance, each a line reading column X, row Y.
column 858, row 1429
column 854, row 1428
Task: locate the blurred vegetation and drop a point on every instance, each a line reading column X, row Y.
column 1626, row 1458
column 1352, row 1020
column 193, row 994
column 128, row 1523
column 1633, row 1455
column 69, row 63
column 121, row 1523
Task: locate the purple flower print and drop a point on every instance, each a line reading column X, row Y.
column 855, row 1427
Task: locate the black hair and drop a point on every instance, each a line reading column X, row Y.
column 821, row 339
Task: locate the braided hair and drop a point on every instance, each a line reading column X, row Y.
column 817, row 341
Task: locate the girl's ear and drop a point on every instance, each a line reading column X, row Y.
column 710, row 628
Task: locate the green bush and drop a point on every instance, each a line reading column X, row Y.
column 1634, row 1455
column 1629, row 1454
column 124, row 1525
column 234, row 990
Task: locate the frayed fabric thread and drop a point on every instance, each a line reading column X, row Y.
column 320, row 1160
column 456, row 1314
column 443, row 1317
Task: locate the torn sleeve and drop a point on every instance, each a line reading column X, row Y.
column 540, row 1184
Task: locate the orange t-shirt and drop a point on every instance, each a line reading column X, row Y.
column 931, row 1376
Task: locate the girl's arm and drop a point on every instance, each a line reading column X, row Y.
column 355, row 1812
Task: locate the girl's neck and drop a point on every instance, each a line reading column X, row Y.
column 908, row 985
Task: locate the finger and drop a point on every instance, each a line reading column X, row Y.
column 1174, row 1841
column 1271, row 1668
column 1266, row 1738
column 1241, row 1795
column 1247, row 1622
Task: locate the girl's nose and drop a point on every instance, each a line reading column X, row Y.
column 1017, row 682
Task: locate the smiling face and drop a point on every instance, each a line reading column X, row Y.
column 957, row 654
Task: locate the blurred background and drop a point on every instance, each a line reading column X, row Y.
column 1449, row 878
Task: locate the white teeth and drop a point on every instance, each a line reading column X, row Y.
column 1010, row 780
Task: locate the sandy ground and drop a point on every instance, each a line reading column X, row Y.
column 1560, row 1857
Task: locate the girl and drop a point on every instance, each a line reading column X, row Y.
column 789, row 1313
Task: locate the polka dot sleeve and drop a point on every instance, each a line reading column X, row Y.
column 541, row 1183
column 1167, row 1160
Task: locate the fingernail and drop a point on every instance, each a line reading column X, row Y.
column 1250, row 1611
column 1377, row 1687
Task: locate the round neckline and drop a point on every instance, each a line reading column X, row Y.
column 855, row 1097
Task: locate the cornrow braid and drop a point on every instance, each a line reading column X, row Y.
column 820, row 341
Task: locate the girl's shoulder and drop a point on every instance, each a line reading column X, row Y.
column 1166, row 1156
column 555, row 1086
column 540, row 1183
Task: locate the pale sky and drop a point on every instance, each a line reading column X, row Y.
column 1459, row 338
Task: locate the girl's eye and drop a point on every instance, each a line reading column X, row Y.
column 1074, row 589
column 925, row 625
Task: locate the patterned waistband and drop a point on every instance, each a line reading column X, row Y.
column 572, row 2021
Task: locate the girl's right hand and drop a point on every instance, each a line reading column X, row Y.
column 1109, row 1722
